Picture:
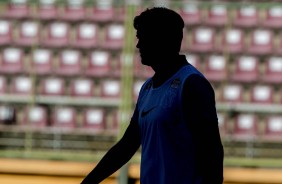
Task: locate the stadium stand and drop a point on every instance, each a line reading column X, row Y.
column 273, row 70
column 217, row 15
column 273, row 129
column 94, row 118
column 64, row 117
column 191, row 14
column 35, row 116
column 114, row 37
column 98, row 63
column 262, row 94
column 52, row 86
column 5, row 32
column 273, row 17
column 12, row 60
column 232, row 41
column 246, row 16
column 82, row 88
column 22, row 85
column 232, row 93
column 110, row 88
column 86, row 36
column 261, row 42
column 203, row 40
column 215, row 68
column 69, row 63
column 28, row 34
column 41, row 61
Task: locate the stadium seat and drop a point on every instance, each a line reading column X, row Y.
column 35, row 116
column 94, row 119
column 57, row 35
column 28, row 34
column 69, row 63
column 114, row 37
column 82, row 88
column 47, row 10
column 103, row 11
column 12, row 60
column 217, row 15
column 52, row 86
column 86, row 36
column 262, row 94
column 261, row 42
column 3, row 85
column 41, row 61
column 232, row 41
column 273, row 129
column 74, row 10
column 203, row 40
column 21, row 85
column 98, row 63
column 215, row 68
column 5, row 32
column 245, row 127
column 194, row 60
column 246, row 16
column 110, row 88
column 246, row 69
column 273, row 70
column 136, row 88
column 222, row 124
column 273, row 17
column 64, row 117
column 17, row 9
column 190, row 13
column 8, row 115
column 232, row 93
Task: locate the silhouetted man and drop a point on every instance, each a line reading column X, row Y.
column 175, row 119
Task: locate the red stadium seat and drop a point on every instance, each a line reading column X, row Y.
column 246, row 69
column 217, row 15
column 5, row 32
column 52, row 86
column 110, row 88
column 82, row 88
column 261, row 42
column 190, row 13
column 273, row 18
column 273, row 70
column 94, row 119
column 21, row 85
column 47, row 10
column 57, row 35
column 114, row 36
column 273, row 129
column 194, row 60
column 7, row 115
column 69, row 63
column 246, row 16
column 98, row 63
column 3, row 85
column 86, row 36
column 12, row 60
column 245, row 127
column 41, row 61
column 28, row 34
column 232, row 93
column 203, row 40
column 74, row 10
column 17, row 9
column 103, row 11
column 64, row 117
column 215, row 68
column 262, row 94
column 35, row 116
column 232, row 41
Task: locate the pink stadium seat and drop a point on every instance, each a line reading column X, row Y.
column 246, row 16
column 217, row 15
column 103, row 11
column 7, row 115
column 245, row 127
column 262, row 94
column 86, row 36
column 273, row 70
column 194, row 60
column 28, row 33
column 17, row 9
column 5, row 32
column 232, row 41
column 273, row 18
column 64, row 117
column 232, row 93
column 190, row 13
column 69, row 63
column 114, row 36
column 52, row 86
column 3, row 85
column 215, row 68
column 74, row 10
column 136, row 88
column 94, row 119
column 12, row 60
column 35, row 116
column 222, row 124
column 110, row 88
column 21, row 85
column 57, row 35
column 42, row 61
column 47, row 10
column 273, row 129
column 261, row 42
column 98, row 63
column 203, row 40
column 246, row 69
column 82, row 88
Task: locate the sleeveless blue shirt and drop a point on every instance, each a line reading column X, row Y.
column 168, row 155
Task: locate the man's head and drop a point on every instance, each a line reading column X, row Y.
column 159, row 33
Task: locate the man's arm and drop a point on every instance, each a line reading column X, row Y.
column 117, row 156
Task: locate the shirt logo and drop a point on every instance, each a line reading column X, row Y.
column 144, row 113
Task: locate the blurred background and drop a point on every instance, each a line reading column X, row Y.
column 70, row 76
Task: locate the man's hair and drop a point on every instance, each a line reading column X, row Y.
column 162, row 22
